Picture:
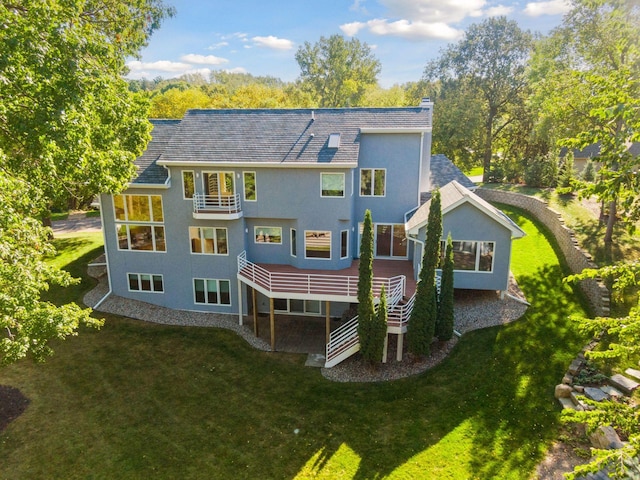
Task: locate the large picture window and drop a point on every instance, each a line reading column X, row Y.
column 208, row 240
column 471, row 255
column 139, row 222
column 372, row 182
column 317, row 244
column 268, row 235
column 145, row 282
column 211, row 291
column 332, row 185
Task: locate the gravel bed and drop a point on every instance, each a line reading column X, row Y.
column 473, row 310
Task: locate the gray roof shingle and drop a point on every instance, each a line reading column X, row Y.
column 291, row 136
column 149, row 172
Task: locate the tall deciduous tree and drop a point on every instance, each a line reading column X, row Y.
column 589, row 88
column 366, row 309
column 491, row 61
column 337, row 71
column 422, row 322
column 68, row 119
column 67, row 122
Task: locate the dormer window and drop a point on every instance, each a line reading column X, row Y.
column 334, row 140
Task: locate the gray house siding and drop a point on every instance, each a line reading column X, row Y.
column 469, row 223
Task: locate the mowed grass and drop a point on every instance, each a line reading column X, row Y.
column 137, row 400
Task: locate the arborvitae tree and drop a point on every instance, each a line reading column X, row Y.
column 366, row 310
column 567, row 173
column 421, row 328
column 589, row 172
column 377, row 332
column 444, row 325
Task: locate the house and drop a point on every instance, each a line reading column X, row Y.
column 591, row 152
column 247, row 211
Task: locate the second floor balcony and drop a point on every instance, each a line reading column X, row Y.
column 216, row 207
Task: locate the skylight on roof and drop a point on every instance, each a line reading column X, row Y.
column 334, row 140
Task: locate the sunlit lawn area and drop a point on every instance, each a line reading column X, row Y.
column 137, row 400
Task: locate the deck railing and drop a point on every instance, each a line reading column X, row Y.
column 311, row 283
column 216, row 203
column 343, row 341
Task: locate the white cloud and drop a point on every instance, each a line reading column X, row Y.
column 162, row 68
column 236, row 70
column 498, row 10
column 417, row 30
column 552, row 7
column 203, row 59
column 434, row 11
column 358, row 6
column 218, row 45
column 237, row 35
column 273, row 42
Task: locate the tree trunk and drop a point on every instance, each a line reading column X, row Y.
column 608, row 236
column 488, row 147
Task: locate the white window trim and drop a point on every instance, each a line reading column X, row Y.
column 215, row 235
column 244, row 186
column 477, row 262
column 293, row 242
column 184, row 196
column 344, row 187
column 153, row 239
column 330, row 245
column 140, row 281
column 348, row 235
column 373, row 184
column 217, row 280
column 255, row 231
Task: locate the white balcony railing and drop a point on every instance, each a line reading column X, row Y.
column 311, row 283
column 225, row 204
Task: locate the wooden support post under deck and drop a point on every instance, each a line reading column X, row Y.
column 327, row 308
column 385, row 348
column 272, row 321
column 255, row 311
column 399, row 352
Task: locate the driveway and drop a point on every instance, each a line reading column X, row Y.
column 77, row 222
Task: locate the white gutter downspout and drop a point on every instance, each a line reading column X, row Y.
column 106, row 256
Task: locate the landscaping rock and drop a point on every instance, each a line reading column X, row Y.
column 612, row 391
column 579, row 402
column 605, row 437
column 632, row 372
column 578, row 388
column 624, row 384
column 595, row 394
column 567, row 379
column 575, row 366
column 567, row 403
column 563, row 391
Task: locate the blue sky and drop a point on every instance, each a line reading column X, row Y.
column 262, row 37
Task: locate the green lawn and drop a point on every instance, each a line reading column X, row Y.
column 137, row 400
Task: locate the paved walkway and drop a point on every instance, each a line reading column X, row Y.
column 76, row 223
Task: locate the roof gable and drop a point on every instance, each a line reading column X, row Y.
column 452, row 195
column 149, row 172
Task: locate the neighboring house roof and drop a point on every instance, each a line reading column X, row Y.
column 284, row 136
column 149, row 172
column 452, row 195
column 591, row 151
column 444, row 171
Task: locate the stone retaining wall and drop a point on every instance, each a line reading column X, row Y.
column 576, row 258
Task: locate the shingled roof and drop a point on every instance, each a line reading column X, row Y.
column 291, row 136
column 149, row 172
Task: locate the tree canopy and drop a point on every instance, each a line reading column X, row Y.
column 337, row 71
column 68, row 123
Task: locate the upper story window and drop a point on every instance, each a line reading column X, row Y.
column 471, row 256
column 208, row 240
column 139, row 222
column 250, row 192
column 268, row 235
column 188, row 184
column 372, row 182
column 332, row 185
